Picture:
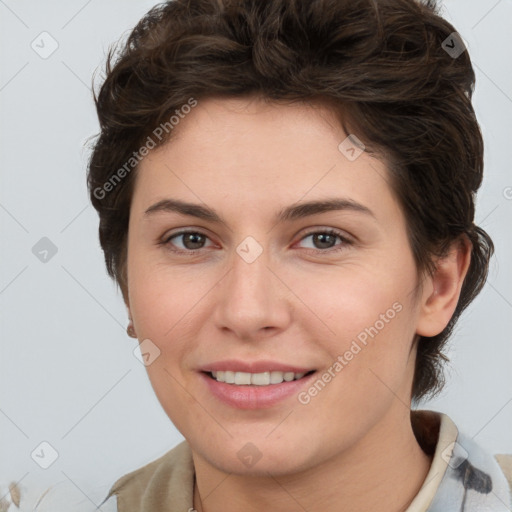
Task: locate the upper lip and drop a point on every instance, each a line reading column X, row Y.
column 253, row 367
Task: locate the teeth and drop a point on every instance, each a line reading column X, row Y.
column 229, row 377
column 242, row 378
column 276, row 377
column 259, row 379
column 255, row 379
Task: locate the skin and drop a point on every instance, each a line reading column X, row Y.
column 300, row 302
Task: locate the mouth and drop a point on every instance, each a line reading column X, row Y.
column 268, row 378
column 263, row 390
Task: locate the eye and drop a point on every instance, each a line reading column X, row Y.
column 325, row 240
column 191, row 241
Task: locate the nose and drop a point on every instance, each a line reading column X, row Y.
column 252, row 301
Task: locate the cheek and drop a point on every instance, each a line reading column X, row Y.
column 163, row 308
column 161, row 296
column 347, row 300
column 364, row 321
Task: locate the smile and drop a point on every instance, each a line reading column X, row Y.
column 244, row 390
column 255, row 379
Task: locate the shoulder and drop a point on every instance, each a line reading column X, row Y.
column 170, row 461
column 459, row 466
column 165, row 479
column 505, row 462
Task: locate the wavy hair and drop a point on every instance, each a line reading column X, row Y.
column 382, row 65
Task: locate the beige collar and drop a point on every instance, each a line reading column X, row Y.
column 447, row 435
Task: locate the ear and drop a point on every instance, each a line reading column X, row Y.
column 442, row 289
column 130, row 329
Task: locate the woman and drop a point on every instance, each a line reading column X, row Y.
column 286, row 200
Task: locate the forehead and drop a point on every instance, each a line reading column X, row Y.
column 254, row 152
column 243, row 123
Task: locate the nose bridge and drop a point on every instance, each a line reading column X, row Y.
column 249, row 282
column 250, row 298
column 250, row 274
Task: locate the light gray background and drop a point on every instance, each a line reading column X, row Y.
column 67, row 369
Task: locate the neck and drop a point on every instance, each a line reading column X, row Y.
column 360, row 478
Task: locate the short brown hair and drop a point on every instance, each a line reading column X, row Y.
column 382, row 64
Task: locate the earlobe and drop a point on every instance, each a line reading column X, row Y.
column 442, row 295
column 130, row 330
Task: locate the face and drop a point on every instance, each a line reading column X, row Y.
column 295, row 260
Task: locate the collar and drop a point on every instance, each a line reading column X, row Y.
column 462, row 477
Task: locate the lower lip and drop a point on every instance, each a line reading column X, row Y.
column 254, row 397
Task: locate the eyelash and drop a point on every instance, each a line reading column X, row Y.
column 191, row 252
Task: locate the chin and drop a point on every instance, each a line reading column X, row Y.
column 258, row 459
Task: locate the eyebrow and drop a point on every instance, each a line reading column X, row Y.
column 289, row 213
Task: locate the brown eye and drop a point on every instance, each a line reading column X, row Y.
column 190, row 241
column 327, row 239
column 324, row 240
